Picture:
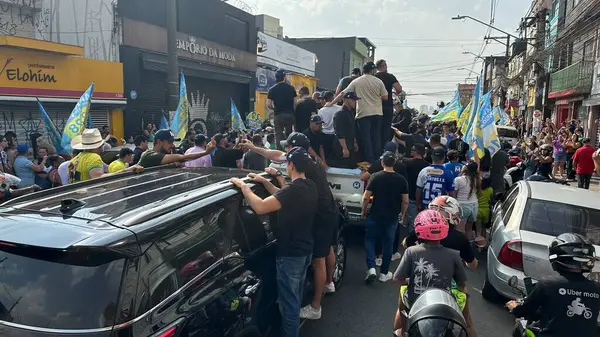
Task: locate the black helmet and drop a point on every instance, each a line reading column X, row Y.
column 435, row 313
column 546, row 147
column 572, row 251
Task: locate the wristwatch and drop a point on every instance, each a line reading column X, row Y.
column 278, row 173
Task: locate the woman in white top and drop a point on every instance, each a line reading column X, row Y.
column 468, row 185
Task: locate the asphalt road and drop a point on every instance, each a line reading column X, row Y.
column 358, row 310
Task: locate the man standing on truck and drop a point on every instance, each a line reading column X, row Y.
column 161, row 153
column 282, row 99
column 325, row 225
column 390, row 83
column 345, row 145
column 390, row 202
column 294, row 238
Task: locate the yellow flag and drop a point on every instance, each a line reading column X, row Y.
column 463, row 119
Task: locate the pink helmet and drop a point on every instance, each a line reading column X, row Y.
column 431, row 225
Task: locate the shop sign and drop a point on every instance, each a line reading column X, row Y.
column 30, row 73
column 265, row 79
column 281, row 54
column 195, row 48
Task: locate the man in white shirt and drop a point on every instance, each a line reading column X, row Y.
column 369, row 110
column 327, row 113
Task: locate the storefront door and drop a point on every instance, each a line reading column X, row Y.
column 562, row 115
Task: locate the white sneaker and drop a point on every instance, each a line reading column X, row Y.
column 329, row 288
column 396, row 256
column 308, row 312
column 371, row 276
column 385, row 277
column 378, row 262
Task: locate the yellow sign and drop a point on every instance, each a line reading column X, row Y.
column 42, row 74
column 531, row 97
column 299, row 81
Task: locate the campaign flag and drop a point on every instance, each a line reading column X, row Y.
column 77, row 120
column 501, row 116
column 51, row 129
column 450, row 111
column 485, row 131
column 180, row 122
column 464, row 117
column 236, row 120
column 164, row 124
column 475, row 105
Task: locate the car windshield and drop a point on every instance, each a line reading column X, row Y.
column 55, row 295
column 553, row 218
column 509, row 133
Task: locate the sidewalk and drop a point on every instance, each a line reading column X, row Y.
column 595, row 183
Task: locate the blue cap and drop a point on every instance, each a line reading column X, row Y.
column 22, row 148
column 351, row 95
column 390, row 146
column 316, row 119
column 298, row 156
column 280, row 73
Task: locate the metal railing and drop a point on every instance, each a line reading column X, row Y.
column 577, row 76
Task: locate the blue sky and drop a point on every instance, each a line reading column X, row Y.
column 422, row 45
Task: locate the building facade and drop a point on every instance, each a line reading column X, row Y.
column 216, row 49
column 45, row 56
column 336, row 57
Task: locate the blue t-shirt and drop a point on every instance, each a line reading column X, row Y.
column 24, row 171
column 434, row 180
column 455, row 168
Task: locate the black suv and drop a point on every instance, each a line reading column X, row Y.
column 170, row 253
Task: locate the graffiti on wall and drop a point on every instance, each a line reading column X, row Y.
column 26, row 123
column 203, row 121
column 23, row 18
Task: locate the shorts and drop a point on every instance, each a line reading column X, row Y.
column 483, row 216
column 469, row 211
column 324, row 237
column 560, row 157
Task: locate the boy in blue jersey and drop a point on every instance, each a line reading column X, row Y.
column 434, row 180
column 453, row 165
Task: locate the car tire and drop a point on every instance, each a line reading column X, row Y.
column 488, row 291
column 340, row 251
column 249, row 331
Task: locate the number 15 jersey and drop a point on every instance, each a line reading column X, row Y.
column 435, row 180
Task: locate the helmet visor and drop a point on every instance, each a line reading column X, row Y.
column 436, row 327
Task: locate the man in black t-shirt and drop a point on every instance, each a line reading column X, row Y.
column 325, row 225
column 253, row 160
column 162, row 152
column 460, row 146
column 315, row 136
column 281, row 98
column 345, row 81
column 390, row 83
column 294, row 237
column 434, row 141
column 226, row 156
column 390, row 202
column 414, row 165
column 305, row 107
column 407, row 140
column 345, row 145
column 141, row 145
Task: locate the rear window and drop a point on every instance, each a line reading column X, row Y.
column 40, row 293
column 552, row 218
column 508, row 133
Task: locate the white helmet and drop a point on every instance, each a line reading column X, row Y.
column 449, row 207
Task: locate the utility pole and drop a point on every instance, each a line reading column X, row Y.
column 540, row 39
column 172, row 65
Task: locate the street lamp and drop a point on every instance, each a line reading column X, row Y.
column 461, row 17
column 476, row 56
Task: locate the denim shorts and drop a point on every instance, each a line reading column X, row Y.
column 469, row 211
column 560, row 157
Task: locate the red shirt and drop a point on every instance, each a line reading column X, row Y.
column 583, row 157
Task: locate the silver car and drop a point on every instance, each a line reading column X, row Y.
column 524, row 224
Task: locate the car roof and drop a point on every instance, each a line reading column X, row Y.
column 563, row 194
column 505, row 127
column 115, row 203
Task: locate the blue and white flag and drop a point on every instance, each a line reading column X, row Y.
column 51, row 129
column 181, row 119
column 486, row 132
column 78, row 119
column 164, row 124
column 237, row 123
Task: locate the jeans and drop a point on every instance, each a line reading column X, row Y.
column 291, row 273
column 370, row 133
column 376, row 230
column 378, row 248
column 570, row 169
column 583, row 180
column 386, row 124
column 283, row 127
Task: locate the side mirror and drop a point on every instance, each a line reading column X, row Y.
column 513, row 281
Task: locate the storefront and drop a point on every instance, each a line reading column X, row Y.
column 593, row 104
column 57, row 75
column 215, row 75
column 274, row 54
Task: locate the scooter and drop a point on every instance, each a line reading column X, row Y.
column 517, row 172
column 524, row 327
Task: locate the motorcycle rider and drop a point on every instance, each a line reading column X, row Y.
column 567, row 304
column 545, row 161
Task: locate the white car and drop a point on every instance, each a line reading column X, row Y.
column 524, row 224
column 507, row 134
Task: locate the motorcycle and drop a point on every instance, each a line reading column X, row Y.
column 517, row 172
column 524, row 327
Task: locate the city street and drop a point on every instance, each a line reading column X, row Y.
column 359, row 310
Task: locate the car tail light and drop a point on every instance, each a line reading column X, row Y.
column 511, row 255
column 170, row 332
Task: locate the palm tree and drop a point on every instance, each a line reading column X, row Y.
column 430, row 272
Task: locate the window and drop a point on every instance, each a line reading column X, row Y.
column 55, row 294
column 253, row 231
column 552, row 218
column 588, row 50
column 511, row 195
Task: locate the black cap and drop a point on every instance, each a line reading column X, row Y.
column 327, row 95
column 369, row 66
column 300, row 158
column 280, row 73
column 391, row 146
column 165, row 135
column 388, row 158
column 316, row 119
column 438, row 153
column 297, row 139
column 218, row 137
column 351, row 95
column 356, row 71
column 200, row 139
